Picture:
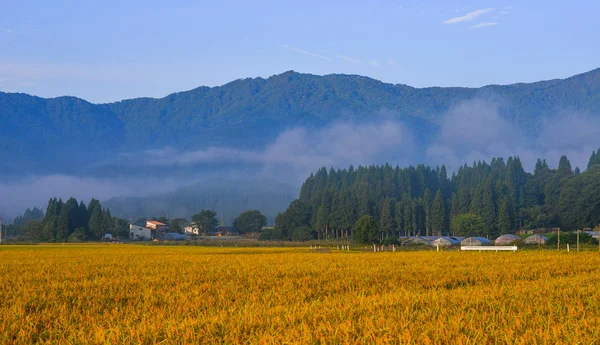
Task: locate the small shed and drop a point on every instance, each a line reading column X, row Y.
column 508, row 240
column 446, row 241
column 476, row 241
column 536, row 239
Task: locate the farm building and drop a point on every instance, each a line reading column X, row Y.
column 416, row 241
column 191, row 229
column 476, row 241
column 148, row 231
column 536, row 239
column 508, row 239
column 446, row 241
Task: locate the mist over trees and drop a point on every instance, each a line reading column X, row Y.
column 482, row 199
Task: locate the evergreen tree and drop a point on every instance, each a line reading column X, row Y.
column 96, row 225
column 488, row 210
column 399, row 217
column 427, row 208
column 504, row 221
column 386, row 222
column 408, row 215
column 365, row 230
column 438, row 214
column 564, row 166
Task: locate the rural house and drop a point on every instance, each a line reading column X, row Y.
column 148, row 231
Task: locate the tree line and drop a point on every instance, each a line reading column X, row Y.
column 71, row 221
column 482, row 199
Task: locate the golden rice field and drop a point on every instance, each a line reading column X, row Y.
column 193, row 295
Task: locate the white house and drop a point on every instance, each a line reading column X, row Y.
column 191, row 229
column 149, row 231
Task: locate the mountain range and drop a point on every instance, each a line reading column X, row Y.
column 70, row 136
column 37, row 132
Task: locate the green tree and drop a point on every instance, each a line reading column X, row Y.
column 302, row 233
column 77, row 236
column 96, row 225
column 177, row 225
column 365, row 230
column 205, row 220
column 386, row 220
column 427, row 207
column 250, row 221
column 504, row 221
column 467, row 225
column 438, row 214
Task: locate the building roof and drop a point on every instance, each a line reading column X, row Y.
column 155, row 223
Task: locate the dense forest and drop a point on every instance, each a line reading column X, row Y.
column 484, row 199
column 70, row 221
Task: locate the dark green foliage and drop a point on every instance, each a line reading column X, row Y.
column 579, row 204
column 365, row 230
column 206, row 221
column 502, row 196
column 467, row 225
column 438, row 214
column 303, row 233
column 297, row 215
column 386, row 221
column 177, row 225
column 22, row 221
column 594, row 159
column 96, row 224
column 62, row 219
column 77, row 236
column 570, row 238
column 250, row 221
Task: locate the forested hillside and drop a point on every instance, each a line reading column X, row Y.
column 495, row 198
column 37, row 132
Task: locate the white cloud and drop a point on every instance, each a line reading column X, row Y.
column 298, row 150
column 392, row 62
column 503, row 12
column 469, row 16
column 490, row 135
column 347, row 58
column 13, row 32
column 483, row 25
column 373, row 62
column 306, row 52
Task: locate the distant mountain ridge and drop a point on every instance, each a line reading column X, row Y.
column 65, row 134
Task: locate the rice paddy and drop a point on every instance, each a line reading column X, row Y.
column 159, row 294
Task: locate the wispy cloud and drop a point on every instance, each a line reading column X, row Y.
column 347, row 58
column 13, row 32
column 469, row 16
column 306, row 52
column 373, row 62
column 503, row 12
column 483, row 25
column 392, row 62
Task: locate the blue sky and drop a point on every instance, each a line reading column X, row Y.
column 110, row 50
